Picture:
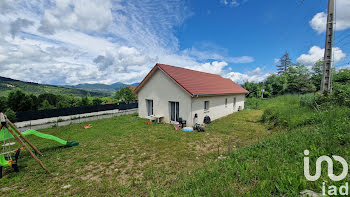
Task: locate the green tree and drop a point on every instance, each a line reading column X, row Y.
column 46, row 105
column 36, row 102
column 51, row 98
column 316, row 77
column 11, row 115
column 96, row 101
column 3, row 103
column 19, row 101
column 285, row 62
column 125, row 95
column 298, row 77
column 276, row 84
column 62, row 104
column 341, row 87
column 84, row 101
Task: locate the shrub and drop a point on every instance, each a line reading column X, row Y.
column 11, row 115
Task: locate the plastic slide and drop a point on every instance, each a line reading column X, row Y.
column 5, row 134
column 4, row 162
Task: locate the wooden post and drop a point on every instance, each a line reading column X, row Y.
column 229, row 147
column 25, row 146
column 218, row 150
column 22, row 136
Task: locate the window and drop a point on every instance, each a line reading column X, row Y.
column 206, row 105
column 225, row 102
column 149, row 105
column 234, row 101
column 174, row 111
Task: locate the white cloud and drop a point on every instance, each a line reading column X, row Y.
column 276, row 60
column 316, row 53
column 81, row 15
column 213, row 67
column 67, row 42
column 220, row 68
column 233, row 3
column 319, row 21
column 240, row 78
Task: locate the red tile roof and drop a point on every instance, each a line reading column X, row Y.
column 196, row 82
column 109, row 103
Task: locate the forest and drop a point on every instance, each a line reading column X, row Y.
column 295, row 78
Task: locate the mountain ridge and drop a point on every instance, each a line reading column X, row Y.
column 9, row 84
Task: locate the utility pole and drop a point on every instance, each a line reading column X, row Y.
column 326, row 84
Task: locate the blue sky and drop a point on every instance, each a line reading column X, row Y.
column 80, row 41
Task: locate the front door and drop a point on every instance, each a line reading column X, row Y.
column 174, row 111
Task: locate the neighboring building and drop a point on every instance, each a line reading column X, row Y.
column 109, row 103
column 172, row 92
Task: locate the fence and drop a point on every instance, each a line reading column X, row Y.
column 35, row 115
column 66, row 120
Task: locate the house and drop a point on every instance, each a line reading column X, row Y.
column 172, row 92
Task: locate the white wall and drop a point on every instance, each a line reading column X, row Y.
column 217, row 108
column 161, row 89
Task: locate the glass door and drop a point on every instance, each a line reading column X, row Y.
column 174, row 111
column 149, row 105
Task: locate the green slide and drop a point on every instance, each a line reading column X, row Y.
column 5, row 134
column 4, row 162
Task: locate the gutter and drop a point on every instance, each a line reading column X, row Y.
column 196, row 95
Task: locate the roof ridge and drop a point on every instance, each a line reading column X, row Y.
column 157, row 64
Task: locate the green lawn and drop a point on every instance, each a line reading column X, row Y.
column 123, row 156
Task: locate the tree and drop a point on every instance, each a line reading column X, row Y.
column 254, row 89
column 11, row 115
column 36, row 102
column 341, row 87
column 46, row 105
column 125, row 95
column 3, row 103
column 96, row 101
column 285, row 62
column 276, row 84
column 84, row 101
column 298, row 77
column 51, row 98
column 19, row 101
column 316, row 77
column 62, row 104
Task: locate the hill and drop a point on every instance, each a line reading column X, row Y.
column 103, row 87
column 7, row 85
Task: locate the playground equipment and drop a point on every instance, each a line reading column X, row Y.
column 9, row 134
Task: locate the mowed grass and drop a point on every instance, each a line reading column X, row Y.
column 124, row 156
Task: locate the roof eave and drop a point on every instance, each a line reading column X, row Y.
column 217, row 94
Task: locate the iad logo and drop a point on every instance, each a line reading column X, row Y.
column 330, row 167
column 332, row 190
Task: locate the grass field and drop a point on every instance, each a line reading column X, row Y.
column 123, row 156
column 274, row 166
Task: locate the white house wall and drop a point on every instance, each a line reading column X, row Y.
column 217, row 108
column 161, row 89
